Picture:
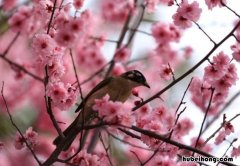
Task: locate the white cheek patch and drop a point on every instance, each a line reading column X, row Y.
column 131, row 75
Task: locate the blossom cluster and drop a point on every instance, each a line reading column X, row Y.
column 30, row 137
column 53, row 52
column 220, row 75
column 113, row 112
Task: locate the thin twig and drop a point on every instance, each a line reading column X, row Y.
column 187, row 72
column 135, row 154
column 230, row 9
column 49, row 107
column 51, row 18
column 21, row 68
column 76, row 75
column 227, row 149
column 227, row 104
column 105, row 148
column 176, row 121
column 177, row 144
column 218, row 129
column 126, row 142
column 204, row 119
column 16, row 127
column 140, row 31
column 184, row 94
column 46, row 80
column 93, row 75
column 154, row 153
column 10, row 44
column 199, row 27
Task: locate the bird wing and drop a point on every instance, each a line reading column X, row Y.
column 95, row 89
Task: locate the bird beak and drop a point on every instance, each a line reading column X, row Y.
column 146, row 84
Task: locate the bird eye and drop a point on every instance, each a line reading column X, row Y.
column 139, row 77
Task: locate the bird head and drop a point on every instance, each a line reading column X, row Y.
column 135, row 77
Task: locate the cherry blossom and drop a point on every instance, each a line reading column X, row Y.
column 122, row 54
column 78, row 3
column 60, row 50
column 165, row 33
column 86, row 159
column 43, row 45
column 187, row 13
column 227, row 130
column 236, row 52
column 19, row 21
column 113, row 112
column 166, row 72
column 62, row 95
column 235, row 152
column 213, row 3
column 8, row 4
column 116, row 11
column 30, row 137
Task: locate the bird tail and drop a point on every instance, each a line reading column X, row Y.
column 66, row 133
column 71, row 132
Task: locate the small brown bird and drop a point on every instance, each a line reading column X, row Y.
column 118, row 88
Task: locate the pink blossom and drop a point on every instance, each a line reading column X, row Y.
column 63, row 95
column 180, row 21
column 43, row 9
column 187, row 13
column 122, row 54
column 167, row 2
column 78, row 4
column 116, row 11
column 64, row 37
column 227, row 130
column 151, row 5
column 221, row 85
column 9, row 4
column 166, row 72
column 19, row 142
column 86, row 159
column 228, row 127
column 141, row 113
column 56, row 68
column 231, row 74
column 200, row 92
column 190, row 11
column 221, row 61
column 220, row 137
column 235, row 152
column 213, row 3
column 219, row 97
column 30, row 136
column 75, row 25
column 236, row 52
column 57, row 91
column 89, row 56
column 113, row 112
column 160, row 113
column 19, row 21
column 201, row 145
column 43, row 44
column 187, row 52
column 118, row 69
column 183, row 127
column 211, row 73
column 165, row 33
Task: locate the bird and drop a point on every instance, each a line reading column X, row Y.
column 119, row 88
